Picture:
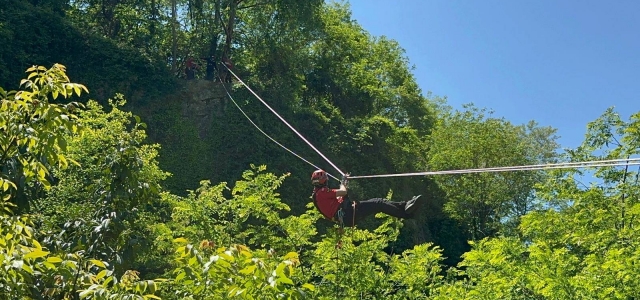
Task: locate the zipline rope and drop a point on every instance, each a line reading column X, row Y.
column 283, row 120
column 572, row 165
column 567, row 165
column 265, row 134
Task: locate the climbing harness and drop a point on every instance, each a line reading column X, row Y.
column 353, row 218
column 340, row 216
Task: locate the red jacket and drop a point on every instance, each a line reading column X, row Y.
column 190, row 63
column 326, row 201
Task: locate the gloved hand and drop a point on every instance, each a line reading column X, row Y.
column 345, row 179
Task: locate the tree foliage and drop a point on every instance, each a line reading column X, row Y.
column 90, row 208
column 489, row 202
column 583, row 244
column 236, row 272
column 35, row 34
column 99, row 202
column 36, row 134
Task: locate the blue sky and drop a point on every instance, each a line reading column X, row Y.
column 560, row 63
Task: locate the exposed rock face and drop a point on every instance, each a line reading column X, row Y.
column 203, row 100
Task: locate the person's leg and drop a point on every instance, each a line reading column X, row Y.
column 363, row 209
column 376, row 205
column 209, row 72
column 412, row 205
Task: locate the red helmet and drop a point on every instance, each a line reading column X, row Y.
column 319, row 178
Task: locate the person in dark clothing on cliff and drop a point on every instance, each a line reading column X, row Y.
column 333, row 205
column 211, row 67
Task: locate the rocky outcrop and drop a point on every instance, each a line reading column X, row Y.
column 202, row 101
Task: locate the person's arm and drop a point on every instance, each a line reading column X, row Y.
column 342, row 191
column 343, row 186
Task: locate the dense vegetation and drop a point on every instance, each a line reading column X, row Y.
column 100, row 203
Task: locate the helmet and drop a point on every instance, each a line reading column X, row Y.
column 319, row 178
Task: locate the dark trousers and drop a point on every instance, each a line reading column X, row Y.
column 191, row 73
column 371, row 207
column 210, row 72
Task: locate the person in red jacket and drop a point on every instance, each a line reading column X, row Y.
column 332, row 203
column 190, row 68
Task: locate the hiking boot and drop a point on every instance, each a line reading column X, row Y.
column 412, row 205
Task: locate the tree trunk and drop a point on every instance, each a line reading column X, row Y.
column 174, row 50
column 226, row 51
column 214, row 38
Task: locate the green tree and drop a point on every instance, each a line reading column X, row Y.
column 35, row 136
column 488, row 202
column 34, row 132
column 36, row 35
column 582, row 244
column 236, row 272
column 253, row 215
column 100, row 202
column 142, row 24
